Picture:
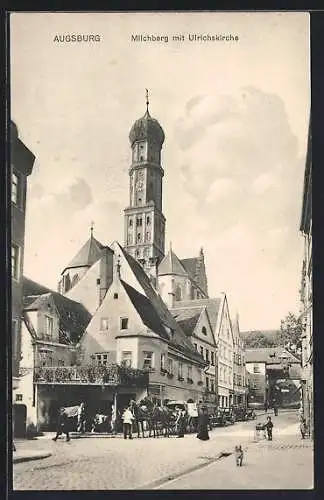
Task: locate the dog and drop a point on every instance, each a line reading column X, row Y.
column 239, row 455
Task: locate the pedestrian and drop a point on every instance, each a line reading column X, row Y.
column 275, row 409
column 181, row 423
column 62, row 425
column 203, row 423
column 269, row 427
column 266, row 406
column 127, row 418
column 303, row 427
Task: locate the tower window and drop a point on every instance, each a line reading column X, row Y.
column 141, row 158
column 139, row 201
column 148, row 220
column 139, row 237
column 130, row 222
column 137, row 253
column 147, row 236
column 123, row 323
column 139, row 221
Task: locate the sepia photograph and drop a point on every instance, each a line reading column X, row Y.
column 161, row 251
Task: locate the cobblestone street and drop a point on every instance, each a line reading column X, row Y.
column 113, row 463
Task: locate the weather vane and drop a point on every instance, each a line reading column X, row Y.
column 91, row 228
column 147, row 100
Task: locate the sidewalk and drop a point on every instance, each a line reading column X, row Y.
column 285, row 463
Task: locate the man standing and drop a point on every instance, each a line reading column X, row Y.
column 62, row 425
column 269, row 426
column 127, row 418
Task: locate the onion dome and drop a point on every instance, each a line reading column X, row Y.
column 147, row 128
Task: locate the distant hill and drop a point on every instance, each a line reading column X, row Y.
column 260, row 338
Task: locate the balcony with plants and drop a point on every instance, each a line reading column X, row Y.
column 110, row 375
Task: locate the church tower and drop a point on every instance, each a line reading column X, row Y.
column 144, row 220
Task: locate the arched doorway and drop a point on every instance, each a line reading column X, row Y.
column 19, row 420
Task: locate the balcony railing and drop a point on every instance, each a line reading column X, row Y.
column 90, row 374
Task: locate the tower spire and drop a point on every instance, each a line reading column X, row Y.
column 91, row 229
column 147, row 100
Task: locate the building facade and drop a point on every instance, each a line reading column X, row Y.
column 274, row 378
column 307, row 293
column 239, row 368
column 22, row 162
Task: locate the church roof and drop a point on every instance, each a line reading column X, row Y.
column 170, row 264
column 179, row 339
column 212, row 305
column 187, row 318
column 146, row 310
column 73, row 316
column 87, row 255
column 190, row 265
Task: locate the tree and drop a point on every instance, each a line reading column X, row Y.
column 257, row 339
column 290, row 334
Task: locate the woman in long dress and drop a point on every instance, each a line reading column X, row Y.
column 203, row 422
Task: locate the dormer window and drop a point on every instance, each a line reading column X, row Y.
column 203, row 330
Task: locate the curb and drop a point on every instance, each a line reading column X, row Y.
column 28, row 458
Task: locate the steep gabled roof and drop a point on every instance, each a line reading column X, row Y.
column 179, row 338
column 187, row 318
column 170, row 264
column 30, row 287
column 190, row 265
column 87, row 255
column 73, row 316
column 212, row 305
column 146, row 310
column 269, row 355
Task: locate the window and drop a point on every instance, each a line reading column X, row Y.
column 195, row 346
column 102, row 358
column 180, row 370
column 202, row 351
column 207, row 355
column 212, row 358
column 170, row 366
column 256, row 369
column 139, row 221
column 137, row 253
column 115, row 295
column 212, row 385
column 207, row 383
column 104, row 324
column 147, row 236
column 148, row 220
column 126, row 359
column 60, row 362
column 138, row 236
column 239, row 359
column 234, row 378
column 203, row 330
column 130, row 222
column 123, row 323
column 15, row 188
column 148, row 359
column 48, row 326
column 19, row 397
column 189, row 374
column 163, row 358
column 15, row 262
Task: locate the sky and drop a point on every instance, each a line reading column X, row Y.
column 235, row 116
